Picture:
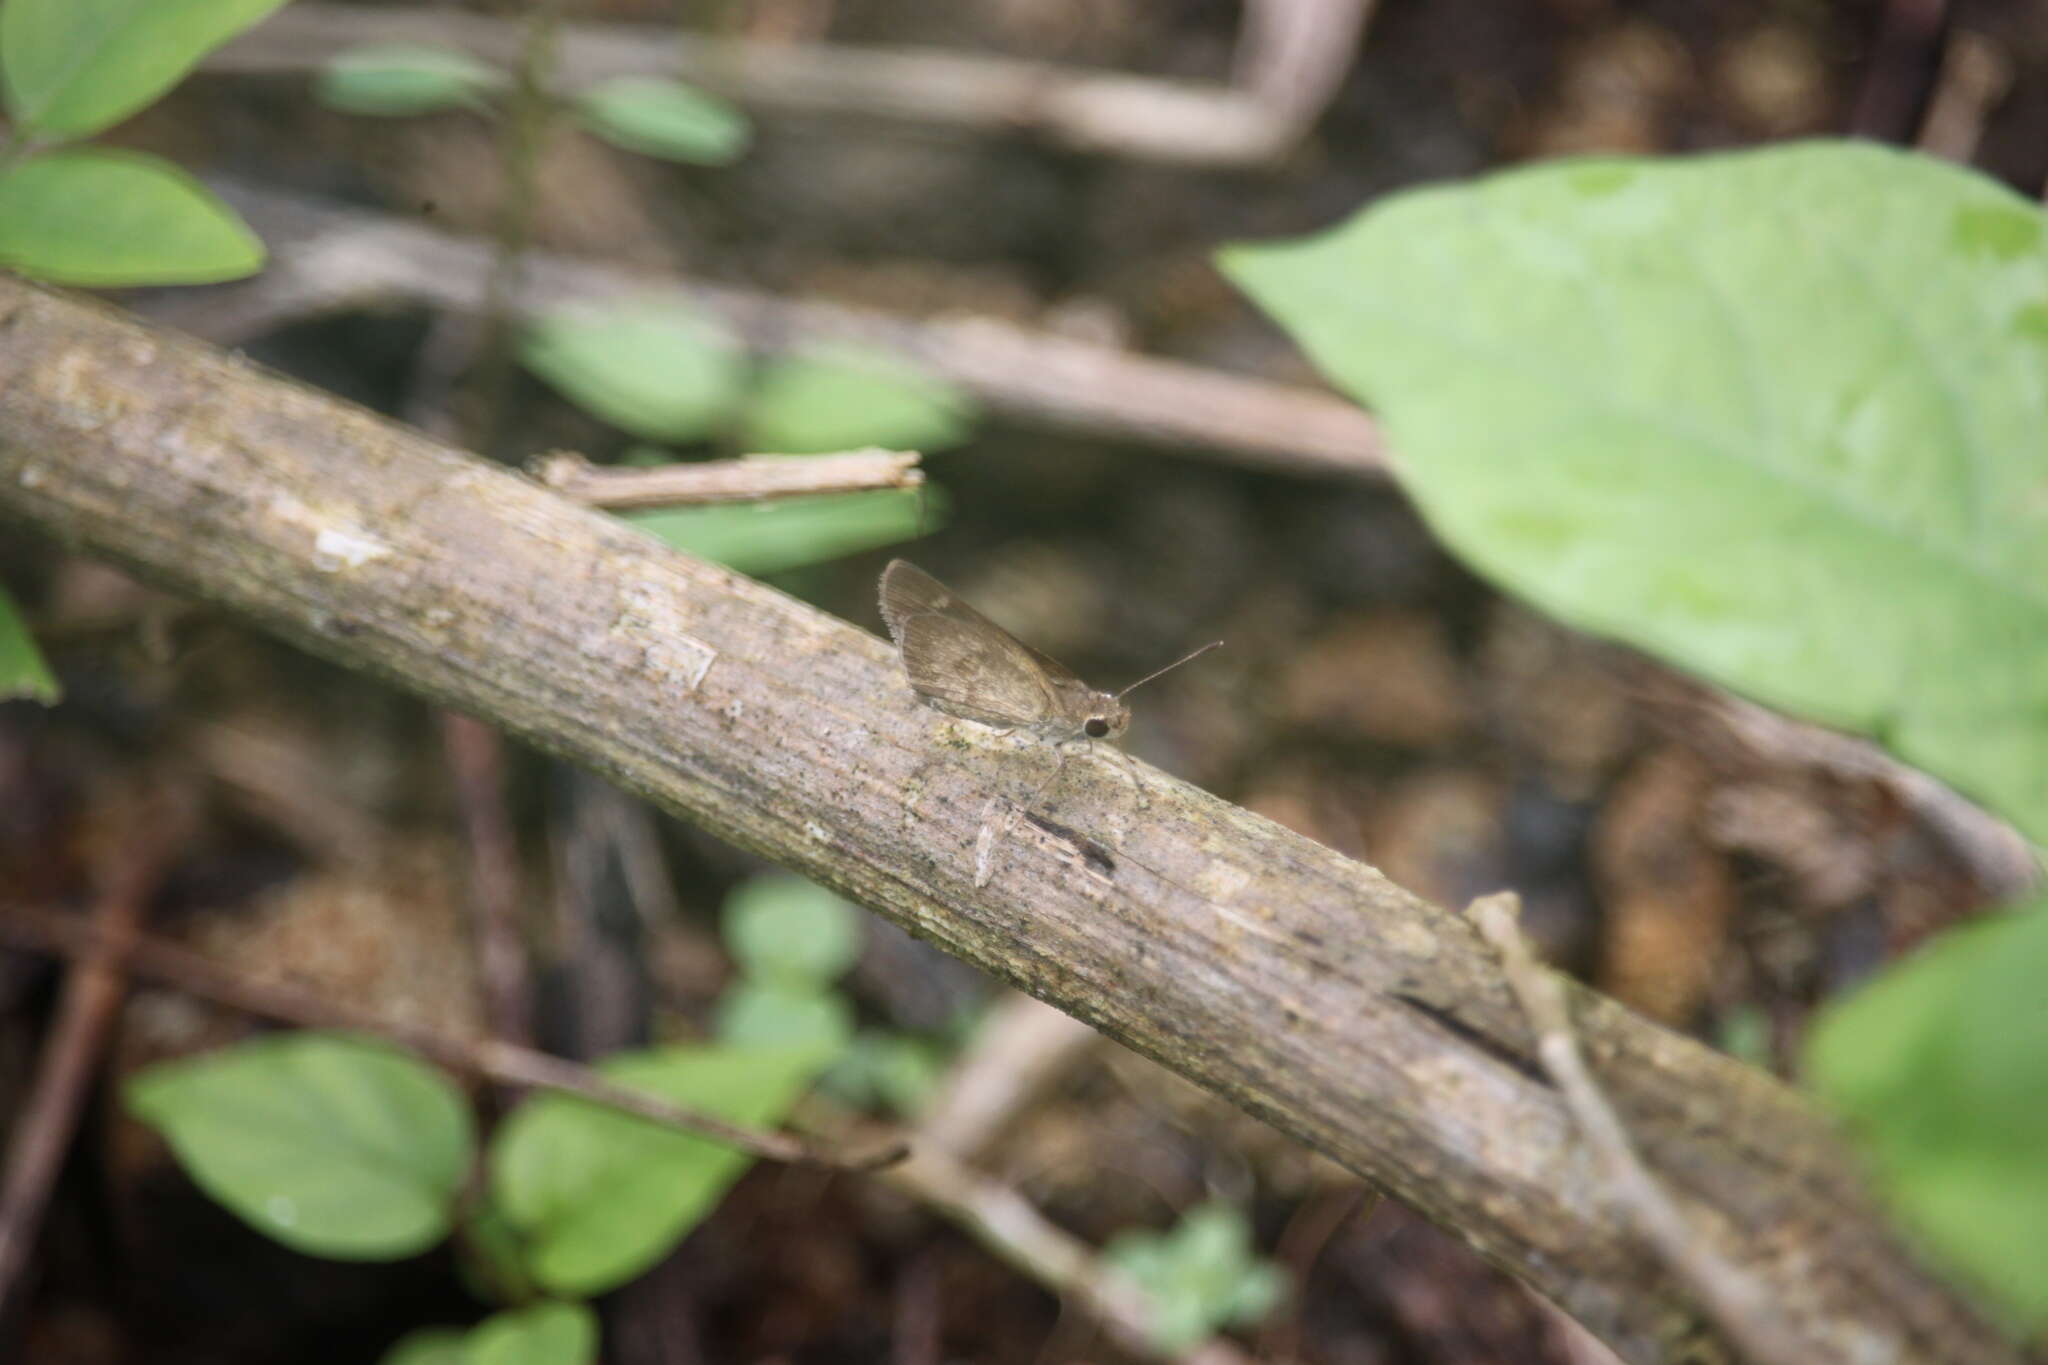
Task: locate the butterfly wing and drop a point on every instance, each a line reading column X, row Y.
column 961, row 662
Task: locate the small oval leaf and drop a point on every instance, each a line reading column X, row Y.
column 105, row 219
column 776, row 1015
column 332, row 1145
column 667, row 119
column 400, row 79
column 602, row 1195
column 661, row 373
column 784, row 928
column 545, row 1334
column 823, row 400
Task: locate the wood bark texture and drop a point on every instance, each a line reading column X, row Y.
column 1295, row 982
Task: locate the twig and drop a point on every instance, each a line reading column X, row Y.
column 91, row 1000
column 1010, row 1227
column 1998, row 856
column 1021, row 1046
column 325, row 258
column 476, row 763
column 1975, row 75
column 1900, row 70
column 1739, row 1307
column 491, row 1059
column 1097, row 111
column 1301, row 1245
column 522, row 128
column 752, row 479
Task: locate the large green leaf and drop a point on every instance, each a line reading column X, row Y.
column 601, row 1195
column 105, row 218
column 1941, row 1065
column 332, row 1145
column 787, row 533
column 72, row 67
column 661, row 373
column 1779, row 416
column 22, row 670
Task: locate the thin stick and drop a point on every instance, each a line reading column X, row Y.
column 1737, row 1305
column 476, row 764
column 92, row 998
column 755, row 478
column 505, row 1063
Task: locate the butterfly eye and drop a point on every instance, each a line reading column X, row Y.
column 1096, row 727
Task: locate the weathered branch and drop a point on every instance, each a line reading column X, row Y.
column 1297, row 983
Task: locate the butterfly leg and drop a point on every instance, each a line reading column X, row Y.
column 1131, row 770
column 1060, row 766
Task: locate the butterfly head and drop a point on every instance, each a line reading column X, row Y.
column 1107, row 718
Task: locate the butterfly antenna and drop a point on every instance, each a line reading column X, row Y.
column 1170, row 667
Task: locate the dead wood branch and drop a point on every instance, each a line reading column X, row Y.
column 1370, row 1025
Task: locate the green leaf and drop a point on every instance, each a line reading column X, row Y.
column 73, row 67
column 399, row 79
column 1941, row 1066
column 429, row 1346
column 666, row 119
column 105, row 218
column 1775, row 415
column 827, row 400
column 886, row 1069
column 770, row 537
column 601, row 1195
column 22, row 670
column 332, row 1145
column 545, row 1334
column 1200, row 1277
column 783, row 928
column 754, row 1014
column 661, row 373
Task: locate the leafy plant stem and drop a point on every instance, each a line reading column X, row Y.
column 525, row 130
